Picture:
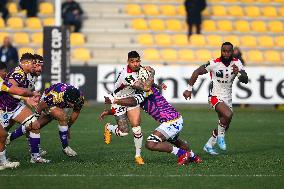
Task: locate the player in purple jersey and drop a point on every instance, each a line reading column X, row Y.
column 164, row 138
column 14, row 109
column 9, row 88
column 55, row 99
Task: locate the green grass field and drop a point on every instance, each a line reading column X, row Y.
column 254, row 158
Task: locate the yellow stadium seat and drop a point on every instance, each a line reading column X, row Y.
column 279, row 1
column 157, row 24
column 33, row 23
column 248, row 41
column 265, row 41
column 258, row 26
column 2, row 36
column 186, row 55
column 2, row 23
column 168, row 10
column 281, row 11
column 235, row 11
column 275, row 26
column 12, row 8
column 145, row 39
column 269, row 11
column 46, row 8
column 48, row 22
column 21, row 38
column 209, row 25
column 203, row 55
column 248, row 1
column 255, row 56
column 242, row 26
column 264, row 1
column 151, row 10
column 82, row 54
column 216, row 53
column 40, row 51
column 133, row 9
column 163, row 39
column 37, row 38
column 169, row 54
column 77, row 39
column 252, row 11
column 214, row 40
column 174, row 25
column 279, row 41
column 139, row 24
column 234, row 39
column 219, row 10
column 15, row 22
column 181, row 10
column 206, row 12
column 25, row 50
column 197, row 40
column 225, row 25
column 151, row 54
column 180, row 39
column 273, row 57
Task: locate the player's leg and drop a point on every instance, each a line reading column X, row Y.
column 121, row 128
column 61, row 116
column 225, row 115
column 29, row 121
column 4, row 163
column 134, row 118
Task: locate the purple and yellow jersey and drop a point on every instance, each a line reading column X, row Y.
column 158, row 107
column 4, row 85
column 7, row 102
column 53, row 96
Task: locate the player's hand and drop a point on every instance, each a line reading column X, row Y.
column 36, row 94
column 163, row 86
column 235, row 69
column 187, row 94
column 109, row 98
column 103, row 115
column 150, row 69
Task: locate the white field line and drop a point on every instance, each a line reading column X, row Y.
column 133, row 175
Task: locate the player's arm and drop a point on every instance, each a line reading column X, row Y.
column 241, row 73
column 41, row 106
column 199, row 71
column 146, row 85
column 160, row 87
column 21, row 92
column 105, row 113
column 73, row 117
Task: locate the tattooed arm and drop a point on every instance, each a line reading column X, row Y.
column 145, row 86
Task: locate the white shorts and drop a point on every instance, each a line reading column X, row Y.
column 214, row 100
column 5, row 117
column 171, row 128
column 119, row 110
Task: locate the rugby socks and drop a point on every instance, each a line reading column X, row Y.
column 63, row 134
column 34, row 144
column 213, row 139
column 178, row 151
column 3, row 157
column 221, row 129
column 138, row 139
column 20, row 131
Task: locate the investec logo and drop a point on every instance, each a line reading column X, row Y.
column 56, row 55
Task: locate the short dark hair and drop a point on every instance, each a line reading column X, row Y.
column 27, row 56
column 133, row 54
column 3, row 66
column 227, row 43
column 72, row 95
column 38, row 57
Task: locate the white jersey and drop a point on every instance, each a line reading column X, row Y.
column 32, row 81
column 124, row 82
column 222, row 77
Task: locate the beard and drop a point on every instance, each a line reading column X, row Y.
column 226, row 61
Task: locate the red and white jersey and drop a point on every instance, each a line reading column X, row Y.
column 222, row 77
column 124, row 82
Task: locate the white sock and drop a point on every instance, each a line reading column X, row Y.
column 221, row 129
column 138, row 140
column 175, row 150
column 192, row 154
column 211, row 142
column 3, row 157
column 112, row 128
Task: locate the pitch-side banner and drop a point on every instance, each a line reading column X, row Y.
column 266, row 84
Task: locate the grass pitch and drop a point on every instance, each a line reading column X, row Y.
column 254, row 158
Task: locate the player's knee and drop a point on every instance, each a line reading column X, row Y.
column 3, row 136
column 150, row 145
column 228, row 116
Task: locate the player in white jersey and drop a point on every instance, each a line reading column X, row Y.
column 125, row 86
column 223, row 71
